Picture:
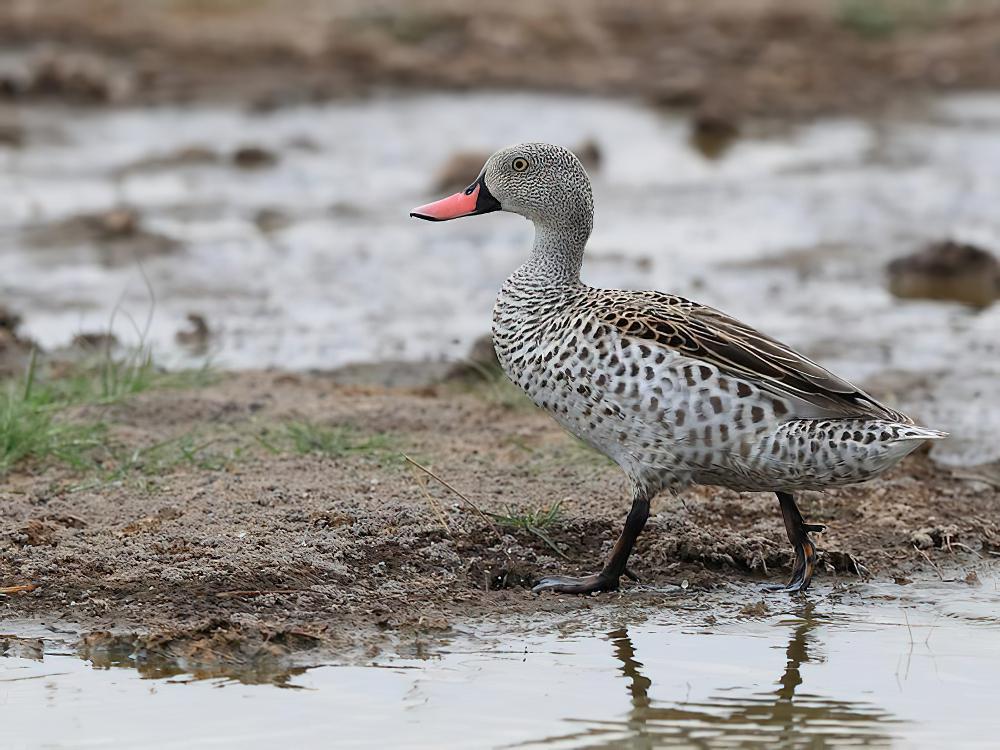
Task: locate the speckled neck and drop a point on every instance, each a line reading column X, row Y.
column 557, row 253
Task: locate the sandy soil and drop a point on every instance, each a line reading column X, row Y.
column 248, row 549
column 725, row 57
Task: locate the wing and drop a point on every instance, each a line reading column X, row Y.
column 707, row 334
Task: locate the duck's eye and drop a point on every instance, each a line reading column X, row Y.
column 519, row 164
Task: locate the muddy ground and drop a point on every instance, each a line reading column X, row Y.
column 261, row 538
column 724, row 57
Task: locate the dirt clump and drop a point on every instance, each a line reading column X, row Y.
column 254, row 157
column 217, row 648
column 189, row 156
column 947, row 270
column 480, row 363
column 9, row 320
column 22, row 648
column 71, row 76
column 12, row 133
column 15, row 348
column 269, row 220
column 34, row 533
column 934, row 536
column 756, row 610
column 196, row 336
column 713, row 132
column 118, row 236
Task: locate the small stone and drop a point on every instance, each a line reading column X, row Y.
column 22, row 648
column 947, row 270
column 757, row 609
column 254, row 157
column 196, row 335
column 713, row 132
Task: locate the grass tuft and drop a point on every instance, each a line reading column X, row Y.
column 110, row 379
column 30, row 426
column 870, row 18
column 532, row 520
column 492, row 385
column 337, row 441
column 142, row 465
column 880, row 19
column 35, row 419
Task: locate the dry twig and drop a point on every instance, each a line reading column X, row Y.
column 433, row 502
column 930, row 562
column 22, row 588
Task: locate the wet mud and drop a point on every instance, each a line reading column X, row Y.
column 252, row 550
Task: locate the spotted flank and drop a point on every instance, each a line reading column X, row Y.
column 673, row 391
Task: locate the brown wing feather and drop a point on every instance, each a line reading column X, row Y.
column 705, row 333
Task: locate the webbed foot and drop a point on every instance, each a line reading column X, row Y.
column 805, row 550
column 572, row 585
column 805, row 563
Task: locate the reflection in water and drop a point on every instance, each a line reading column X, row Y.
column 785, row 717
column 193, row 662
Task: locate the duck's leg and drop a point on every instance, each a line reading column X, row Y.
column 615, row 567
column 805, row 550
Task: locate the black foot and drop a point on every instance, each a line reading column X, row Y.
column 617, row 565
column 792, row 587
column 805, row 563
column 805, row 551
column 570, row 585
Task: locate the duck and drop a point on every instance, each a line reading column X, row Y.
column 674, row 392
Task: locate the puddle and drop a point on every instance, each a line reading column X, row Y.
column 296, row 262
column 878, row 665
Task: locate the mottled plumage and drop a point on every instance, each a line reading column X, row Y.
column 673, row 391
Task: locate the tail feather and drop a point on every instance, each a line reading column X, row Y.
column 908, row 432
column 813, row 454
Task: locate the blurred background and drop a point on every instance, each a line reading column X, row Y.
column 229, row 180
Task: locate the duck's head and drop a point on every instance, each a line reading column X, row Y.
column 540, row 181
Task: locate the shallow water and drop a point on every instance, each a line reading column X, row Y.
column 789, row 230
column 877, row 665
